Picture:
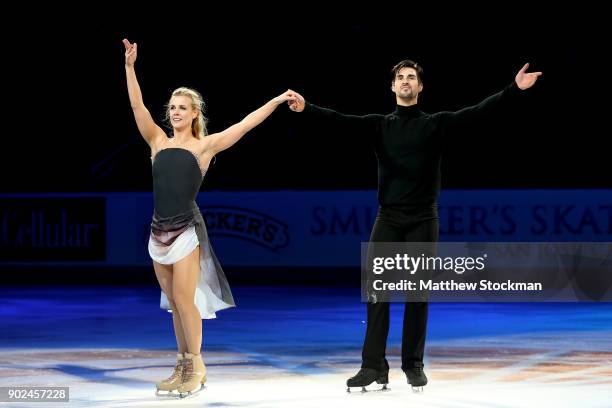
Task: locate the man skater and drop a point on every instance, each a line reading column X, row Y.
column 408, row 145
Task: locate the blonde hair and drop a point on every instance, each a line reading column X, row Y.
column 198, row 125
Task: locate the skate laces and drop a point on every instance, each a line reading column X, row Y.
column 187, row 370
column 178, row 370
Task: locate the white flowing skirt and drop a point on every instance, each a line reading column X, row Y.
column 208, row 285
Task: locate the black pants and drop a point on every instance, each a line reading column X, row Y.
column 399, row 225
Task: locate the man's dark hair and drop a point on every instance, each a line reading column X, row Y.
column 407, row 64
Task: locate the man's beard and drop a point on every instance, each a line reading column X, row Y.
column 407, row 95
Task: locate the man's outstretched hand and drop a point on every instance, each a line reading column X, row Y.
column 525, row 80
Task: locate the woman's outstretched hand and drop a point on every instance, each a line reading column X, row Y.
column 131, row 51
column 287, row 96
column 296, row 102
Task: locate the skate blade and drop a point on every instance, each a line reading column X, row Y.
column 167, row 394
column 418, row 389
column 364, row 390
column 189, row 394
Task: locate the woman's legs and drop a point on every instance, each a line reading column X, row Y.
column 186, row 273
column 184, row 282
column 164, row 277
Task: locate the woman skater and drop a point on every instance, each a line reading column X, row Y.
column 193, row 284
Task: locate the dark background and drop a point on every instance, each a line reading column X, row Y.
column 69, row 126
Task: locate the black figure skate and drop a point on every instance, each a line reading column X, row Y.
column 367, row 376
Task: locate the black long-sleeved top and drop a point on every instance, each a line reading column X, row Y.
column 408, row 145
